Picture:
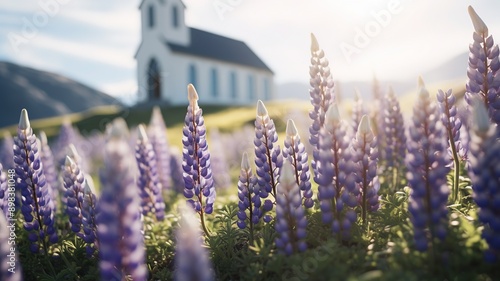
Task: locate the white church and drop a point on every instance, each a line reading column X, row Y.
column 172, row 55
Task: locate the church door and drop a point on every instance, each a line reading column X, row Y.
column 154, row 81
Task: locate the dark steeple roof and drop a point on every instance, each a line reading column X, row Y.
column 213, row 46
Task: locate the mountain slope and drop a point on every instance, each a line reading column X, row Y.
column 43, row 94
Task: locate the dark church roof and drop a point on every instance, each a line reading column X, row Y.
column 213, row 46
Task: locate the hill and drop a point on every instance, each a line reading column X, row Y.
column 44, row 94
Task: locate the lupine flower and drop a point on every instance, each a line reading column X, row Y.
column 67, row 135
column 149, row 185
column 394, row 130
column 191, row 258
column 73, row 179
column 157, row 134
column 291, row 221
column 337, row 191
column 37, row 205
column 10, row 268
column 427, row 169
column 358, row 110
column 90, row 212
column 4, row 204
column 452, row 125
column 365, row 158
column 321, row 95
column 49, row 167
column 268, row 158
column 198, row 179
column 6, row 152
column 485, row 163
column 295, row 152
column 484, row 81
column 119, row 225
column 218, row 161
column 248, row 199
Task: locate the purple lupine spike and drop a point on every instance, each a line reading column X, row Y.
column 248, row 199
column 191, row 258
column 198, row 179
column 36, row 203
column 67, row 135
column 6, row 152
column 73, row 179
column 90, row 212
column 321, row 95
column 268, row 158
column 119, row 225
column 4, row 191
column 337, row 192
column 485, row 176
column 365, row 157
column 296, row 154
column 148, row 181
column 358, row 110
column 10, row 268
column 394, row 129
column 291, row 221
column 452, row 125
column 157, row 134
column 427, row 169
column 218, row 161
column 49, row 168
column 484, row 63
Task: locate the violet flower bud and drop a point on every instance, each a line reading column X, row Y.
column 191, row 258
column 427, row 170
column 148, row 181
column 119, row 225
column 321, row 93
column 198, row 179
column 37, row 206
column 157, row 134
column 291, row 221
column 295, row 152
column 268, row 158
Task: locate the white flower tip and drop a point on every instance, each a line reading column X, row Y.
column 480, row 117
column 118, row 128
column 421, row 87
column 357, row 94
column 43, row 137
column 24, row 121
column 291, row 129
column 314, row 43
column 156, row 114
column 143, row 136
column 390, row 92
column 421, row 83
column 192, row 94
column 287, row 177
column 478, row 23
column 245, row 163
column 72, row 151
column 261, row 109
column 88, row 187
column 188, row 223
column 69, row 161
column 332, row 115
column 364, row 125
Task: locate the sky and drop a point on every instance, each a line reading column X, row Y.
column 94, row 41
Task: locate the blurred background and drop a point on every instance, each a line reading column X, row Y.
column 71, row 56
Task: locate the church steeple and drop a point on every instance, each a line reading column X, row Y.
column 165, row 19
